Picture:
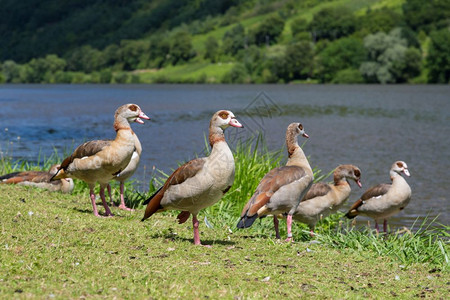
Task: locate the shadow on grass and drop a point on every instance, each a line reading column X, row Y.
column 90, row 212
column 174, row 238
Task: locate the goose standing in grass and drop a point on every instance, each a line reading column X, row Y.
column 40, row 179
column 102, row 160
column 324, row 199
column 200, row 182
column 282, row 188
column 127, row 173
column 384, row 200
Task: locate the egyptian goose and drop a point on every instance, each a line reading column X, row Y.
column 324, row 199
column 282, row 188
column 200, row 182
column 127, row 173
column 40, row 179
column 384, row 200
column 101, row 160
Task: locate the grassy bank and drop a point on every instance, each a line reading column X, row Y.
column 53, row 247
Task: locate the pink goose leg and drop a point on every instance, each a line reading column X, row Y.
column 196, row 234
column 105, row 205
column 94, row 206
column 385, row 226
column 289, row 227
column 122, row 200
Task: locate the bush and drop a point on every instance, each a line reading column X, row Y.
column 238, row 74
column 269, row 31
column 339, row 55
column 348, row 76
column 438, row 60
column 389, row 58
column 332, row 23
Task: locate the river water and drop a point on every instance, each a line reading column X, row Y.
column 370, row 126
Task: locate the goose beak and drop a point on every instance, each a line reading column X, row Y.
column 305, row 135
column 140, row 117
column 235, row 123
column 406, row 172
column 358, row 183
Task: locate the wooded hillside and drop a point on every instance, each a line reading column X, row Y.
column 230, row 41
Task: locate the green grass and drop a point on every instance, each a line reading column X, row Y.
column 51, row 246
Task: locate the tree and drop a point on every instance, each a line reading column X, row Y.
column 11, row 71
column 339, row 55
column 383, row 20
column 389, row 59
column 133, row 54
column 268, row 31
column 300, row 60
column 234, row 40
column 438, row 60
column 427, row 15
column 86, row 59
column 332, row 23
column 181, row 47
column 299, row 25
column 211, row 49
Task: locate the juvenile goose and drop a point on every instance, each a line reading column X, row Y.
column 127, row 173
column 40, row 179
column 282, row 188
column 200, row 182
column 324, row 199
column 101, row 160
column 384, row 200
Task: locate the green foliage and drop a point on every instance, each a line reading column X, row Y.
column 384, row 20
column 238, row 74
column 389, row 59
column 299, row 60
column 211, row 49
column 340, row 55
column 234, row 39
column 97, row 41
column 347, row 76
column 332, row 23
column 268, row 31
column 427, row 15
column 298, row 26
column 438, row 59
column 181, row 47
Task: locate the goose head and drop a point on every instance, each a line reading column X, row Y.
column 400, row 167
column 132, row 113
column 223, row 119
column 296, row 129
column 349, row 172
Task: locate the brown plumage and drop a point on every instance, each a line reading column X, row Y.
column 188, row 170
column 201, row 182
column 317, row 190
column 324, row 199
column 384, row 200
column 281, row 189
column 101, row 160
column 39, row 179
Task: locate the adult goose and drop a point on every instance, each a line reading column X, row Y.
column 384, row 200
column 200, row 182
column 40, row 179
column 127, row 173
column 102, row 160
column 282, row 188
column 323, row 199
